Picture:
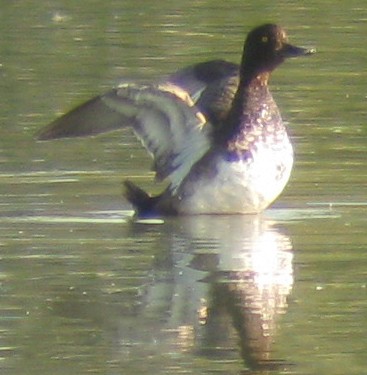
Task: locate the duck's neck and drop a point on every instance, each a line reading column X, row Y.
column 252, row 92
column 253, row 108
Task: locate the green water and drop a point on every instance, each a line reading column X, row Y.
column 82, row 290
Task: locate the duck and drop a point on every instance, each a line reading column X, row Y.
column 213, row 130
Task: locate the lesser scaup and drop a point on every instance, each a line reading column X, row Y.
column 213, row 129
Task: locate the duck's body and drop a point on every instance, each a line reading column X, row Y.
column 245, row 171
column 221, row 185
column 214, row 131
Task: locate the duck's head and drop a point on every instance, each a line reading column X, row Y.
column 266, row 47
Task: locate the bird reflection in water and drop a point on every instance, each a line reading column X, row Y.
column 217, row 287
column 228, row 272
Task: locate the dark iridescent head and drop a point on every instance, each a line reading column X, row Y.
column 266, row 47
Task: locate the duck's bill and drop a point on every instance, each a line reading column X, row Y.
column 289, row 50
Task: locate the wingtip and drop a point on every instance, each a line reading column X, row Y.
column 43, row 135
column 56, row 130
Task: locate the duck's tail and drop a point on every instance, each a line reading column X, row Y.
column 142, row 201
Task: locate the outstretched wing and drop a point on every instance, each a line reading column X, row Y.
column 204, row 83
column 163, row 117
column 167, row 117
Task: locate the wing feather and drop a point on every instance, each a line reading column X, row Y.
column 163, row 117
column 173, row 118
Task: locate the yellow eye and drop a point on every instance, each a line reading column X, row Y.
column 264, row 39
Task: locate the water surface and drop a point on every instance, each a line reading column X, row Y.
column 84, row 290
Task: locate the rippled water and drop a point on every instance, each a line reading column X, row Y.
column 85, row 290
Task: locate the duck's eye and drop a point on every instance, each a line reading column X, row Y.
column 264, row 39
